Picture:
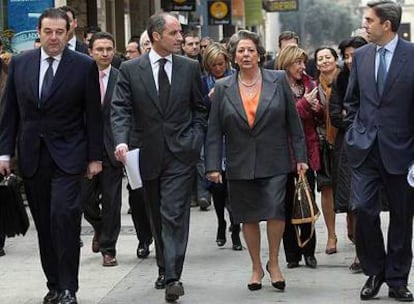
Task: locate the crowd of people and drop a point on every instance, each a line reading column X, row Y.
column 217, row 125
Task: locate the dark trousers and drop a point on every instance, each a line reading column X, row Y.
column 220, row 200
column 293, row 252
column 2, row 240
column 53, row 198
column 101, row 199
column 168, row 201
column 200, row 184
column 139, row 214
column 367, row 182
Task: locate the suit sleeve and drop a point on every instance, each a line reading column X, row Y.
column 94, row 122
column 214, row 142
column 351, row 101
column 293, row 123
column 9, row 115
column 199, row 108
column 121, row 107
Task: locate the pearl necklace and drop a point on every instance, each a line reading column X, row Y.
column 252, row 84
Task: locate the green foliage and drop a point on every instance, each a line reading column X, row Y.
column 320, row 22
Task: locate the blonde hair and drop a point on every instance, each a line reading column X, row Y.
column 289, row 55
column 212, row 52
column 6, row 57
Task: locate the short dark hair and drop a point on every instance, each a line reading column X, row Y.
column 100, row 35
column 67, row 8
column 287, row 35
column 387, row 10
column 53, row 13
column 242, row 35
column 354, row 42
column 157, row 23
column 134, row 38
column 331, row 50
column 191, row 33
column 91, row 30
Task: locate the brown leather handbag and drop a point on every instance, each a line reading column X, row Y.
column 305, row 210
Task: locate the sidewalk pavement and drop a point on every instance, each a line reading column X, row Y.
column 211, row 275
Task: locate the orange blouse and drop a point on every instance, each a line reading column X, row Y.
column 250, row 104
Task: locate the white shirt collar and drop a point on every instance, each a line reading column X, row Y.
column 44, row 56
column 72, row 43
column 154, row 57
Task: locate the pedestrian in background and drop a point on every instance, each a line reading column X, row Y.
column 341, row 173
column 163, row 93
column 57, row 121
column 293, row 60
column 101, row 196
column 326, row 63
column 216, row 63
column 255, row 112
column 380, row 150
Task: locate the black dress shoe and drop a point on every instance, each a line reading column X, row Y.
column 311, row 261
column 160, row 282
column 400, row 294
column 371, row 287
column 51, row 297
column 254, row 286
column 235, row 238
column 143, row 250
column 280, row 285
column 294, row 264
column 173, row 291
column 67, row 297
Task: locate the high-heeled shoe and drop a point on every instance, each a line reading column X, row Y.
column 280, row 285
column 331, row 250
column 221, row 235
column 235, row 238
column 255, row 285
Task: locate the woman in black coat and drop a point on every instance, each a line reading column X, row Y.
column 341, row 177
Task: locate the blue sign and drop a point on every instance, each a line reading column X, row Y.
column 23, row 19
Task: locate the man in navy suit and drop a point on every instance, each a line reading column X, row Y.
column 57, row 123
column 73, row 43
column 101, row 195
column 380, row 146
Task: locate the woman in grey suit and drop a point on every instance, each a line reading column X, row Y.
column 254, row 109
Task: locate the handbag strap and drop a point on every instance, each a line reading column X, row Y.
column 304, row 181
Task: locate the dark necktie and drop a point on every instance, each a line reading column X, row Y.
column 382, row 70
column 163, row 85
column 47, row 81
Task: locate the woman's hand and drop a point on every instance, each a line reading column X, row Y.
column 311, row 98
column 302, row 168
column 215, row 177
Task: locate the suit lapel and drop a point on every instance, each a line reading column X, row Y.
column 175, row 79
column 34, row 77
column 148, row 80
column 266, row 95
column 233, row 94
column 62, row 71
column 398, row 62
column 109, row 89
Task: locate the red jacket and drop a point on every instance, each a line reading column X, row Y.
column 309, row 120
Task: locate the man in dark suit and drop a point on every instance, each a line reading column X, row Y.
column 73, row 43
column 101, row 196
column 55, row 119
column 380, row 147
column 163, row 93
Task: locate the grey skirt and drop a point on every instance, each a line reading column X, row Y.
column 258, row 199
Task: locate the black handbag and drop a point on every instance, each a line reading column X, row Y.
column 305, row 210
column 13, row 215
column 324, row 174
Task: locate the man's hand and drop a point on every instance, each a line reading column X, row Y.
column 5, row 167
column 120, row 153
column 94, row 168
column 215, row 177
column 302, row 167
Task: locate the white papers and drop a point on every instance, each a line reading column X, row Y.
column 132, row 169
